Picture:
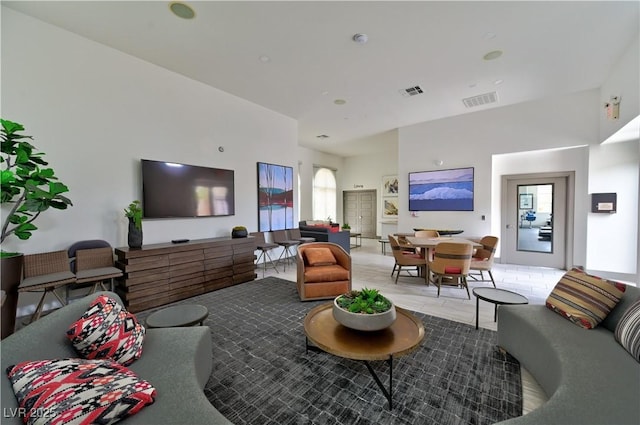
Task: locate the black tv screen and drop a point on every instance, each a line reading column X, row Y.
column 179, row 190
column 441, row 190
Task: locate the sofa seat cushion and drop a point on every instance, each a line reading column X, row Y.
column 589, row 378
column 628, row 330
column 320, row 257
column 330, row 273
column 107, row 330
column 78, row 391
column 583, row 299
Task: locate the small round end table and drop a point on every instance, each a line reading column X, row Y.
column 178, row 316
column 497, row 296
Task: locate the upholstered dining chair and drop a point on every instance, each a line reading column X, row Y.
column 451, row 260
column 482, row 260
column 264, row 247
column 426, row 234
column 405, row 259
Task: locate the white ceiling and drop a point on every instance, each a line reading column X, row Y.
column 549, row 48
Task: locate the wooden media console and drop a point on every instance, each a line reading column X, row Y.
column 159, row 274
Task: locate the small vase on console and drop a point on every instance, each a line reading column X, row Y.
column 134, row 238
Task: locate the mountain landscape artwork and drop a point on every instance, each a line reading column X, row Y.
column 441, row 190
column 275, row 197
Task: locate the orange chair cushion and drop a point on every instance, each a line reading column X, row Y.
column 320, row 257
column 332, row 273
column 452, row 270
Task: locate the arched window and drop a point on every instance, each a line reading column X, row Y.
column 324, row 194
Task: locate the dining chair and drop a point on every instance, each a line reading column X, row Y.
column 482, row 259
column 294, row 234
column 96, row 266
column 451, row 261
column 90, row 277
column 264, row 247
column 45, row 272
column 280, row 238
column 426, row 234
column 404, row 259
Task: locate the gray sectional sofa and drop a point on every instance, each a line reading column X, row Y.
column 588, row 377
column 176, row 361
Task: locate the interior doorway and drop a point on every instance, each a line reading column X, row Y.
column 536, row 211
column 359, row 211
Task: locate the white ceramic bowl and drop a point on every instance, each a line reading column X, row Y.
column 364, row 322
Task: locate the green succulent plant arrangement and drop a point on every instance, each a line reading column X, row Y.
column 346, row 226
column 366, row 301
column 27, row 185
column 239, row 228
column 134, row 212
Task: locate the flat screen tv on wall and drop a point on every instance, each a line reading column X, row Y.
column 171, row 190
column 441, row 190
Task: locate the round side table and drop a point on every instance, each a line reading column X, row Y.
column 178, row 316
column 497, row 296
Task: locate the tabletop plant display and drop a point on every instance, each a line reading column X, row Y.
column 365, row 310
column 134, row 214
column 346, row 226
column 239, row 232
column 28, row 189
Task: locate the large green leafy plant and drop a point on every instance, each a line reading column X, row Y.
column 28, row 186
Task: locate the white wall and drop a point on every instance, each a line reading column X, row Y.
column 365, row 172
column 96, row 112
column 546, row 161
column 470, row 141
column 623, row 82
column 611, row 247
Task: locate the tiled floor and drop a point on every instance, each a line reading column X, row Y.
column 373, row 270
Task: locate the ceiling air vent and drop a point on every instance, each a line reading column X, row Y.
column 481, row 99
column 411, row 91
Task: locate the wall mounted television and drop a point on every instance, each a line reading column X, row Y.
column 441, row 190
column 172, row 190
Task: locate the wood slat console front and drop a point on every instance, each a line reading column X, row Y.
column 159, row 274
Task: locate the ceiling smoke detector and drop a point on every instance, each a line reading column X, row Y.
column 360, row 38
column 481, row 99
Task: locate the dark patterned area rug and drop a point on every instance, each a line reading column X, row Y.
column 262, row 375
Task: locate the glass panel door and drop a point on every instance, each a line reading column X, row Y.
column 535, row 213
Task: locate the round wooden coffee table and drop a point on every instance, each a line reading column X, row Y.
column 497, row 296
column 178, row 316
column 326, row 334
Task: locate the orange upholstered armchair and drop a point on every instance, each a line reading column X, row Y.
column 324, row 271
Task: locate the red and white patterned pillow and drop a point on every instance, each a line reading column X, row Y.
column 78, row 391
column 107, row 330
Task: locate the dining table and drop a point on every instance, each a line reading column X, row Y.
column 429, row 244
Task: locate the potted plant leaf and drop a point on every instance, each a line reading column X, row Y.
column 134, row 214
column 365, row 310
column 29, row 188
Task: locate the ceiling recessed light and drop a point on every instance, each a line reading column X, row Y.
column 265, row 59
column 360, row 38
column 182, row 10
column 325, row 92
column 495, row 54
column 322, row 136
column 339, row 101
column 498, row 82
column 489, row 36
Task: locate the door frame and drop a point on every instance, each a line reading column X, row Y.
column 569, row 213
column 375, row 208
